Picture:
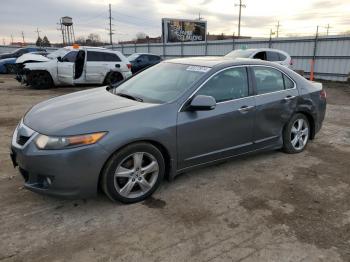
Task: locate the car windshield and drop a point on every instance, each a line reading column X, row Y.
column 60, row 52
column 133, row 57
column 240, row 54
column 161, row 83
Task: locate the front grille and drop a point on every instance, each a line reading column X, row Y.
column 21, row 140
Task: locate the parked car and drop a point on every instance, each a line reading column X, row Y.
column 20, row 51
column 173, row 117
column 140, row 61
column 266, row 54
column 75, row 65
column 9, row 65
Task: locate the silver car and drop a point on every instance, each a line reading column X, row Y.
column 173, row 117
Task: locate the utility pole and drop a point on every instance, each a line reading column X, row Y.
column 328, row 29
column 199, row 16
column 3, row 41
column 11, row 39
column 23, row 37
column 277, row 28
column 110, row 26
column 38, row 32
column 239, row 16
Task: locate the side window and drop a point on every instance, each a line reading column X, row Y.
column 227, row 85
column 154, row 58
column 272, row 56
column 143, row 58
column 260, row 55
column 268, row 80
column 288, row 84
column 282, row 57
column 110, row 57
column 93, row 56
column 70, row 57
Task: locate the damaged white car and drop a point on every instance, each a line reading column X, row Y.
column 72, row 66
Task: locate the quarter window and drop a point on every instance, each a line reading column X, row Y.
column 288, row 84
column 227, row 85
column 272, row 56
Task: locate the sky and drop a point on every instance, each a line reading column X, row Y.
column 296, row 17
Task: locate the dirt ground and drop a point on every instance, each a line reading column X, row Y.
column 263, row 207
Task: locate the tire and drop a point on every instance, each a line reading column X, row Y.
column 296, row 134
column 113, row 78
column 133, row 173
column 40, row 80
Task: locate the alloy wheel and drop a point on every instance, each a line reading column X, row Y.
column 136, row 174
column 299, row 134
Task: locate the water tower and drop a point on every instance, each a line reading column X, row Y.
column 67, row 29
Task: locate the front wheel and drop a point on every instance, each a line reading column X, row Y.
column 40, row 80
column 133, row 173
column 296, row 134
column 113, row 78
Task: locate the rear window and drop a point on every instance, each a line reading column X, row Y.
column 101, row 56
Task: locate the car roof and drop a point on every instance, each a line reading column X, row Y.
column 215, row 61
column 262, row 49
column 91, row 48
column 145, row 54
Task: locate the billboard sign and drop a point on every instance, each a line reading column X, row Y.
column 183, row 30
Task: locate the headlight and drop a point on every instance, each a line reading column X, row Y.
column 47, row 142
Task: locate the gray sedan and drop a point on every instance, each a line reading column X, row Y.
column 178, row 115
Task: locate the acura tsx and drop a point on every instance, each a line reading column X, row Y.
column 178, row 115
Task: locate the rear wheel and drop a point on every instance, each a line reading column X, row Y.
column 113, row 78
column 133, row 173
column 40, row 80
column 296, row 134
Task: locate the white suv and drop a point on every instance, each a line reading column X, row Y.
column 267, row 54
column 75, row 65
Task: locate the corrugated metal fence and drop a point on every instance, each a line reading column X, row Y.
column 331, row 53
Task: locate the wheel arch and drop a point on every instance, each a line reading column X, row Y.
column 165, row 152
column 31, row 71
column 111, row 72
column 311, row 121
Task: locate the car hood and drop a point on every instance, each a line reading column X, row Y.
column 56, row 115
column 6, row 55
column 7, row 60
column 31, row 57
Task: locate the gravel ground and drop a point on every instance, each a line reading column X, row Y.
column 263, row 207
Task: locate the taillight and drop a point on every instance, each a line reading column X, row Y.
column 323, row 94
column 129, row 66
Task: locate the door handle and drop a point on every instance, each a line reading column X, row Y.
column 289, row 97
column 245, row 109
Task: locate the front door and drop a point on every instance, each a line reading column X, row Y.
column 204, row 136
column 65, row 68
column 276, row 101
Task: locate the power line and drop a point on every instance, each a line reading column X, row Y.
column 239, row 16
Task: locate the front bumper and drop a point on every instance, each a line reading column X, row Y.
column 69, row 173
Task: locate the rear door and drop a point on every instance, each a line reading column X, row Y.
column 65, row 68
column 276, row 101
column 96, row 67
column 204, row 136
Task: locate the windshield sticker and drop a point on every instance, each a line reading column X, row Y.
column 203, row 69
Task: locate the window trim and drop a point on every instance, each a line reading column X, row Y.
column 251, row 84
column 254, row 82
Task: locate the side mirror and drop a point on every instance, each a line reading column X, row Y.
column 202, row 103
column 59, row 59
